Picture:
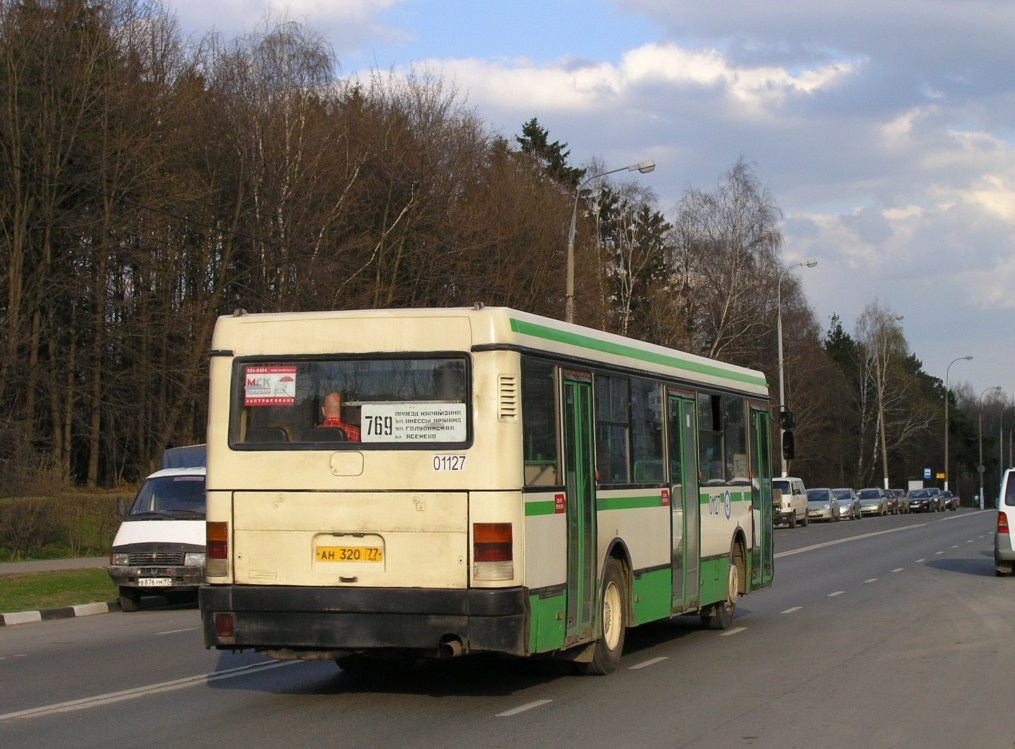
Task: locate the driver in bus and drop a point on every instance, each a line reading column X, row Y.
column 331, row 410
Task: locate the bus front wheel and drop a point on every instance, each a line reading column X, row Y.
column 612, row 622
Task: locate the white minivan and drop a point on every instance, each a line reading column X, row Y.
column 792, row 508
column 159, row 547
column 1004, row 545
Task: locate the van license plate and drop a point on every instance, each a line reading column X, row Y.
column 154, row 582
column 349, row 554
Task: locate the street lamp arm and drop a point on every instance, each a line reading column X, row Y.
column 643, row 167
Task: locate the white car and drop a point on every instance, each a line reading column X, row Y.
column 1004, row 545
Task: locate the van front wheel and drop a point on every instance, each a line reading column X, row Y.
column 130, row 598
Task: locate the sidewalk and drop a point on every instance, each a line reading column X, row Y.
column 48, row 565
column 65, row 612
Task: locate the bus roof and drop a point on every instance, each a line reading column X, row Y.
column 464, row 329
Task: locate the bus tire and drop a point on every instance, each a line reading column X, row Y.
column 720, row 615
column 612, row 622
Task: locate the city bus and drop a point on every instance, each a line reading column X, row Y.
column 490, row 481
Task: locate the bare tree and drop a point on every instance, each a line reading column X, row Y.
column 725, row 253
column 886, row 405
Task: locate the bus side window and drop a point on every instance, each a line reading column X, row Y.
column 539, row 425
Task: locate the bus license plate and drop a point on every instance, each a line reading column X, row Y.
column 349, row 554
column 154, row 582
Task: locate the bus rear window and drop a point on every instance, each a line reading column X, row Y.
column 346, row 402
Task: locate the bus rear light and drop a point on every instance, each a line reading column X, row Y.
column 217, row 538
column 492, row 551
column 1002, row 524
column 217, row 549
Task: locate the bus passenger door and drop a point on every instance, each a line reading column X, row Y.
column 580, row 489
column 685, row 527
column 763, row 566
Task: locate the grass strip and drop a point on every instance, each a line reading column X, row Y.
column 38, row 591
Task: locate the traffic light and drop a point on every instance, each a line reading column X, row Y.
column 787, row 446
column 786, row 420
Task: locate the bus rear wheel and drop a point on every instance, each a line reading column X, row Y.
column 612, row 623
column 720, row 615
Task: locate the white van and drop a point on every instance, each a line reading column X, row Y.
column 159, row 548
column 1004, row 546
column 792, row 508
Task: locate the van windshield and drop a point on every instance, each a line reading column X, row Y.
column 169, row 497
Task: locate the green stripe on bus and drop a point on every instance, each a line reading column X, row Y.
column 619, row 349
column 627, row 503
column 533, row 509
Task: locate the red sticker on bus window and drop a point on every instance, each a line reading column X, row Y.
column 558, row 504
column 273, row 385
column 664, row 495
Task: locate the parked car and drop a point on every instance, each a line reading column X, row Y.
column 935, row 494
column 873, row 501
column 900, row 496
column 1004, row 545
column 822, row 505
column 920, row 500
column 948, row 500
column 849, row 503
column 792, row 507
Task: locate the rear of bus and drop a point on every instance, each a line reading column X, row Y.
column 389, row 527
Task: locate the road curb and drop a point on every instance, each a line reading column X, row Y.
column 64, row 612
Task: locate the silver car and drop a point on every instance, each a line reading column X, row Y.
column 849, row 504
column 822, row 505
column 873, row 501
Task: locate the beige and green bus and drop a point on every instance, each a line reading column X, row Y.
column 439, row 482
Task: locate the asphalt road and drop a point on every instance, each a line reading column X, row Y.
column 883, row 632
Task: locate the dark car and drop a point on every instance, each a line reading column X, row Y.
column 920, row 500
column 948, row 500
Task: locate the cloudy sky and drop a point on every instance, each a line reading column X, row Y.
column 885, row 129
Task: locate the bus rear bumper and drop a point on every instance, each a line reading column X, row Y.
column 327, row 622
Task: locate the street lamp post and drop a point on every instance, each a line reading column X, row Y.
column 947, row 370
column 979, row 468
column 778, row 338
column 642, row 166
column 1000, row 443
